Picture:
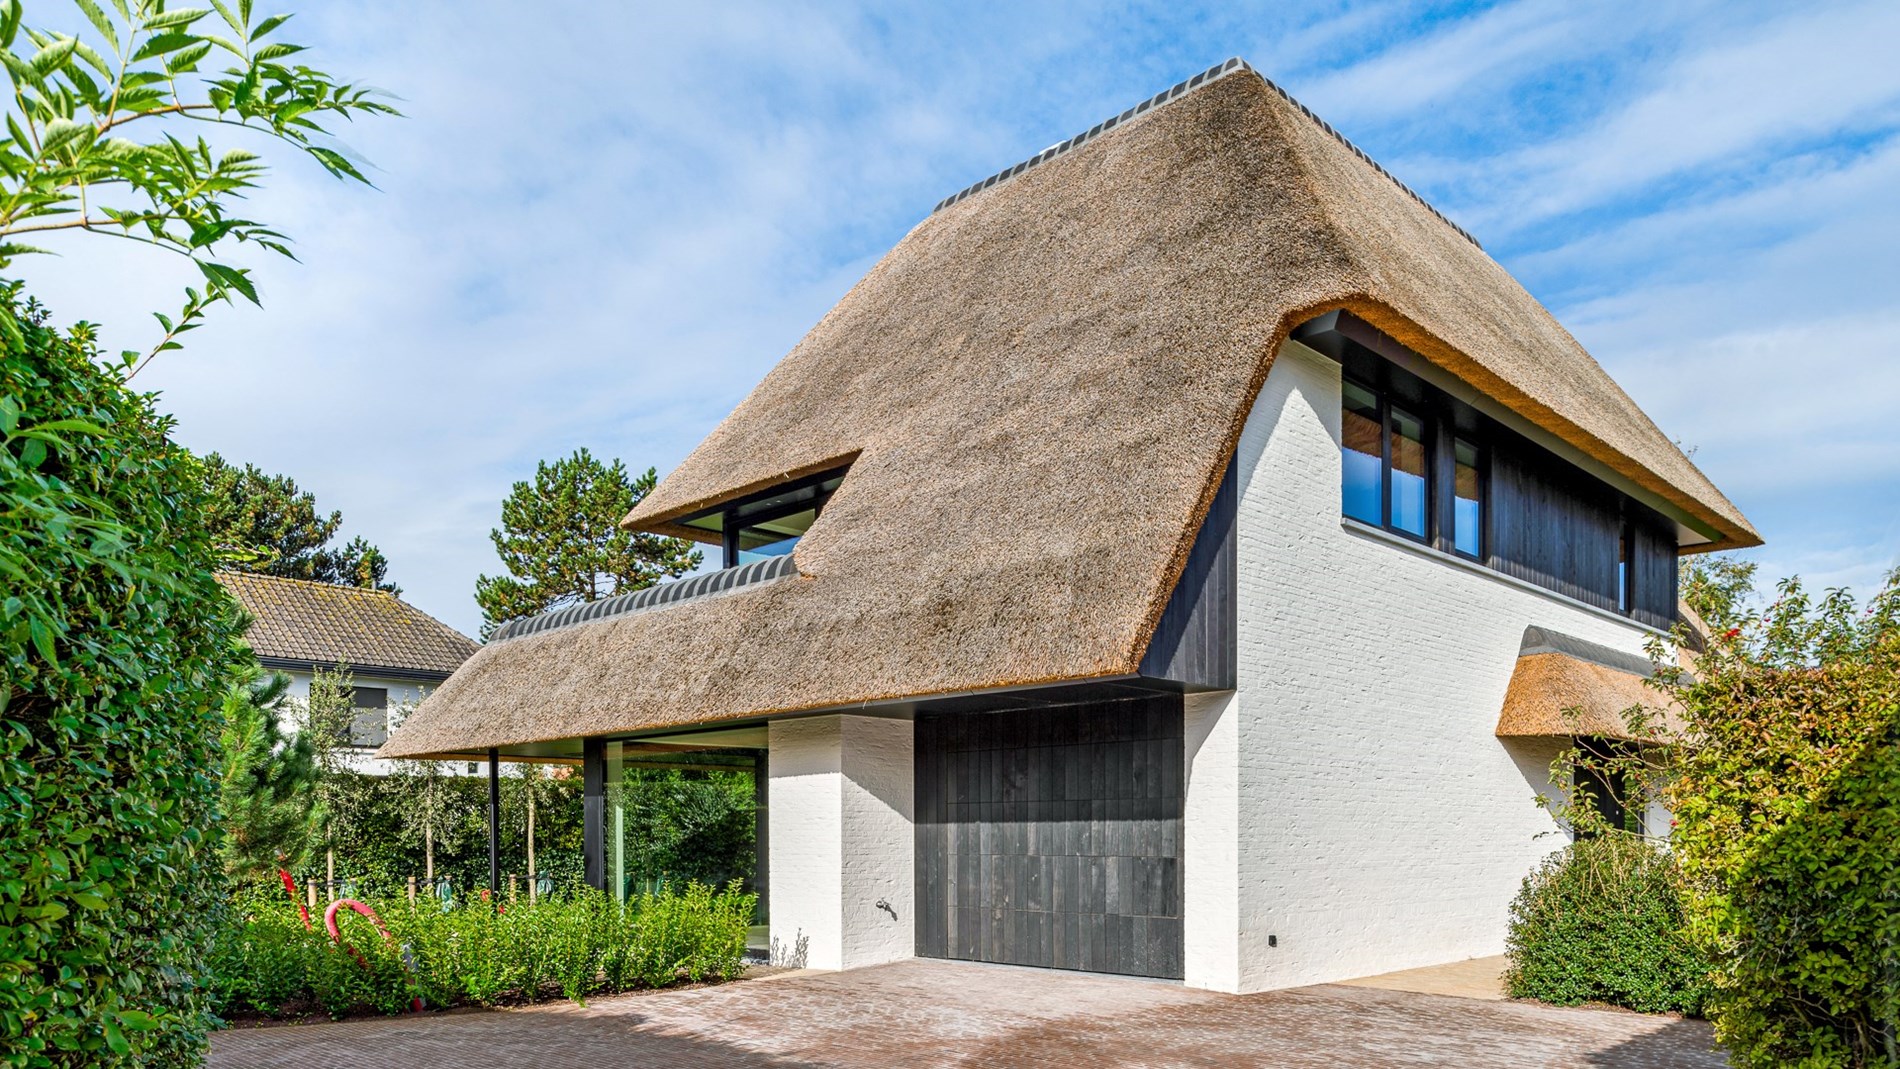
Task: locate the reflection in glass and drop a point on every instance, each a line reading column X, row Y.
column 1408, row 473
column 1467, row 514
column 1359, row 451
column 774, row 538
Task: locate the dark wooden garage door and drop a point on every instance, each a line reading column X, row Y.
column 1052, row 836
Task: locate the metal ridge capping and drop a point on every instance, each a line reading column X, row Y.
column 652, row 597
column 1180, row 89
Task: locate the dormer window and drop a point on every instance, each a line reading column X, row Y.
column 769, row 523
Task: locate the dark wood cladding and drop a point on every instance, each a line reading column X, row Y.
column 1195, row 643
column 1052, row 837
column 1654, row 592
column 1547, row 521
column 1553, row 524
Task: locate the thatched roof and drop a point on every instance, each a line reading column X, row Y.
column 1037, row 391
column 295, row 623
column 1564, row 686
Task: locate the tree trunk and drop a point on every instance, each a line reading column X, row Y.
column 329, row 873
column 428, row 850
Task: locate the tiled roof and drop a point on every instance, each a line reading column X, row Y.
column 297, row 620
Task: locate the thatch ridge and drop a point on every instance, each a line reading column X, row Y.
column 1041, row 386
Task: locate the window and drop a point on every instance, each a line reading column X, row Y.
column 1604, row 783
column 768, row 524
column 1362, row 455
column 369, row 720
column 1385, row 463
column 1467, row 500
column 1409, row 484
column 1625, row 554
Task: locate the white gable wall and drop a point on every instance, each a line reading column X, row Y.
column 1350, row 798
column 400, row 691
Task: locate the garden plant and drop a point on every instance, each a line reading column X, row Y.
column 570, row 945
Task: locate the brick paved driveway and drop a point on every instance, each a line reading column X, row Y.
column 929, row 1013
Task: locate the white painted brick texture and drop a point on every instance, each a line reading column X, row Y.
column 1380, row 824
column 841, row 840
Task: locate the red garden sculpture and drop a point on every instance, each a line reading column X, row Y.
column 329, row 924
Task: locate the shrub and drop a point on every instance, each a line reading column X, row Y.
column 1602, row 921
column 114, row 646
column 1787, row 794
column 573, row 945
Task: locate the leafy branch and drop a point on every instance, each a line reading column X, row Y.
column 69, row 161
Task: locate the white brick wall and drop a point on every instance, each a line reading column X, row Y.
column 1381, row 824
column 841, row 807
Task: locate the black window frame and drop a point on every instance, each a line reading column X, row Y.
column 807, row 493
column 1482, row 445
column 1422, row 410
column 1626, row 566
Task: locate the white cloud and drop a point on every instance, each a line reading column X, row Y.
column 600, row 227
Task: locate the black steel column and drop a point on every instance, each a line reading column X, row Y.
column 761, row 825
column 594, row 812
column 494, row 824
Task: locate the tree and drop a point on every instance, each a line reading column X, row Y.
column 268, row 786
column 74, row 161
column 562, row 543
column 265, row 524
column 329, row 707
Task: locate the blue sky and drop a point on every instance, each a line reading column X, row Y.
column 603, row 224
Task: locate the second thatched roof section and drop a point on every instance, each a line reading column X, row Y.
column 1037, row 391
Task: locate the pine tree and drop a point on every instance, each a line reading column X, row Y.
column 268, row 782
column 265, row 524
column 562, row 543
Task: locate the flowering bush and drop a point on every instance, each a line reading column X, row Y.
column 570, row 945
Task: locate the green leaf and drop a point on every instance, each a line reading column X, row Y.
column 43, row 640
column 162, row 43
column 270, row 23
column 100, row 22
column 10, row 11
column 183, row 16
column 235, row 278
column 188, row 59
column 61, row 132
column 53, row 56
column 88, row 899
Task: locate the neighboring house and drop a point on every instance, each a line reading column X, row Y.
column 396, row 653
column 1176, row 557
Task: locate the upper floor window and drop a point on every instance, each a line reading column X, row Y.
column 1385, row 476
column 1625, row 557
column 1396, row 473
column 1467, row 498
column 768, row 524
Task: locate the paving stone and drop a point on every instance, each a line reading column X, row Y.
column 937, row 1013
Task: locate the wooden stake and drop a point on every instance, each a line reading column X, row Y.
column 412, row 890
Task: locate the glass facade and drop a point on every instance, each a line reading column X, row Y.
column 1411, row 481
column 679, row 810
column 768, row 524
column 1467, row 509
column 1362, row 455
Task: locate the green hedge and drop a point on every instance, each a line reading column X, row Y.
column 1602, row 921
column 1788, row 804
column 570, row 945
column 115, row 645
